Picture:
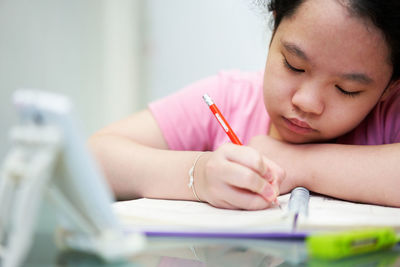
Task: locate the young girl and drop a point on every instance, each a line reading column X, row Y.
column 328, row 90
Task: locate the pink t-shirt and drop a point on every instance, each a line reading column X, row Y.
column 187, row 123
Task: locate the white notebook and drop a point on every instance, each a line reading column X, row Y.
column 324, row 213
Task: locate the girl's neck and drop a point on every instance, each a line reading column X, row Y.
column 273, row 132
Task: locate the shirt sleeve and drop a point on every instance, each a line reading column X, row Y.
column 184, row 118
column 188, row 124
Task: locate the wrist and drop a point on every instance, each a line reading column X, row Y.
column 199, row 174
column 301, row 172
column 292, row 158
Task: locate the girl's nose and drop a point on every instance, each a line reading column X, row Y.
column 308, row 99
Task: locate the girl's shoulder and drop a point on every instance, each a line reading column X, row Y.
column 186, row 121
column 235, row 75
column 241, row 79
column 236, row 86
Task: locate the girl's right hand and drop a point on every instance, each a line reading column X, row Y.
column 237, row 177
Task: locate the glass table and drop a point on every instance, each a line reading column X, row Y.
column 194, row 252
column 188, row 252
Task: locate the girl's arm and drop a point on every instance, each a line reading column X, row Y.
column 135, row 158
column 369, row 174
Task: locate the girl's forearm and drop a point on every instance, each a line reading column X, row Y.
column 369, row 174
column 134, row 170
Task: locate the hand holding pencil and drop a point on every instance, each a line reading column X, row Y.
column 236, row 176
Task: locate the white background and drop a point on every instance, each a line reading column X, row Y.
column 112, row 57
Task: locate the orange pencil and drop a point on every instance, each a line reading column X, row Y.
column 225, row 125
column 218, row 115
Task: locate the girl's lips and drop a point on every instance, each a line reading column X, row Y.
column 299, row 123
column 297, row 126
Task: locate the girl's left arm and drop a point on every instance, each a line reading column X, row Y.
column 369, row 174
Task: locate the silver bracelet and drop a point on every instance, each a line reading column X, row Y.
column 191, row 177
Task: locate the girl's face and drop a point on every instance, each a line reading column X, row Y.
column 326, row 70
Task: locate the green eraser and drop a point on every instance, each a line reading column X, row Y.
column 337, row 245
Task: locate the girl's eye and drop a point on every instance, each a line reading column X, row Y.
column 290, row 67
column 341, row 90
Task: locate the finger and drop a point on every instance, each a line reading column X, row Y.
column 244, row 199
column 226, row 205
column 248, row 157
column 222, row 203
column 274, row 174
column 261, row 165
column 269, row 193
column 242, row 177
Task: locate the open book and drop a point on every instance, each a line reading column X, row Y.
column 155, row 216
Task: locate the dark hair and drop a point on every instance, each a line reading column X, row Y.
column 384, row 14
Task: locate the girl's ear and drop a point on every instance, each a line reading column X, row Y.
column 392, row 86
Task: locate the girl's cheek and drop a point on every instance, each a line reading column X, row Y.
column 282, row 87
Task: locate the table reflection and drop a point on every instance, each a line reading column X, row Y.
column 168, row 252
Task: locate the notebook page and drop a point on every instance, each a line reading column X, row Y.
column 156, row 212
column 327, row 213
